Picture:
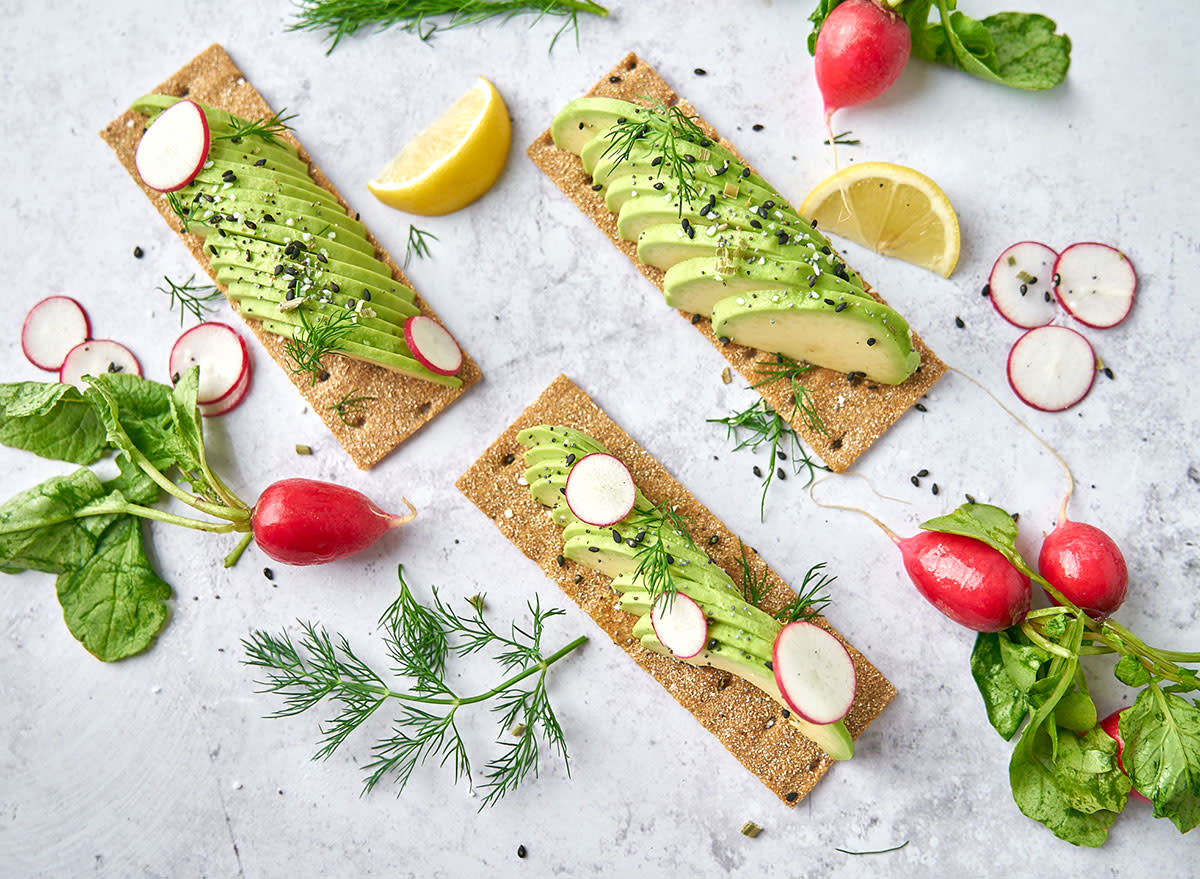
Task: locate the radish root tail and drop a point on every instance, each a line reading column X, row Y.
column 397, row 521
column 886, row 530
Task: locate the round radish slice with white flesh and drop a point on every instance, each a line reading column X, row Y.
column 1051, row 368
column 219, row 352
column 96, row 357
column 432, row 345
column 174, row 147
column 1095, row 283
column 600, row 489
column 52, row 328
column 814, row 672
column 1020, row 284
column 230, row 400
column 680, row 624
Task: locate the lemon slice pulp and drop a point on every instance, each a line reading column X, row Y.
column 891, row 209
column 452, row 162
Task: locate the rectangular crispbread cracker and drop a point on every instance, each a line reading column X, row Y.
column 855, row 412
column 746, row 721
column 402, row 403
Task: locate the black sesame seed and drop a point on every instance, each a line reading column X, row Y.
column 695, row 318
column 935, row 488
column 616, row 535
column 336, row 288
column 781, row 473
column 757, row 126
column 508, row 459
column 268, row 573
column 813, row 224
column 614, row 79
column 596, row 187
column 958, row 322
column 260, row 163
column 920, row 407
column 792, row 796
column 324, row 376
column 986, row 291
column 970, row 498
column 724, row 340
column 1016, row 517
column 521, row 851
column 700, row 71
column 758, row 471
column 593, row 549
column 745, row 172
column 841, row 306
column 756, row 224
column 138, row 253
column 561, row 559
column 579, row 578
column 922, row 472
column 175, row 378
column 656, row 162
column 914, row 481
column 812, row 280
column 659, row 185
column 1108, row 372
column 366, row 296
column 1024, row 288
column 870, row 342
column 714, row 540
column 1057, row 279
column 836, row 444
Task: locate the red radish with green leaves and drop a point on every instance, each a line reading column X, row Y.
column 432, row 345
column 679, row 623
column 95, row 357
column 1051, row 368
column 1020, row 284
column 1085, row 565
column 51, row 329
column 814, row 672
column 1096, row 283
column 174, row 147
column 600, row 489
column 861, row 49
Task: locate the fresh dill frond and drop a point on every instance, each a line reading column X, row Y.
column 266, row 128
column 191, row 297
column 669, row 135
column 417, row 245
column 419, row 640
column 755, row 584
column 341, row 18
column 183, row 212
column 811, row 600
column 782, row 368
column 351, row 407
column 763, row 425
column 657, row 528
column 314, row 339
column 844, row 139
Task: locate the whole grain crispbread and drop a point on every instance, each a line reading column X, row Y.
column 402, row 404
column 855, row 412
column 745, row 720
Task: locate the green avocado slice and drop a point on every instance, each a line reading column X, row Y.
column 218, row 179
column 584, row 118
column 301, row 215
column 696, row 285
column 639, row 214
column 718, row 168
column 251, row 152
column 850, row 335
column 372, row 332
column 641, row 180
column 379, row 317
column 665, row 245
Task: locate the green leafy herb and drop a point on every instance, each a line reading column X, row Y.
column 668, row 134
column 267, row 128
column 763, row 425
column 351, row 408
column 811, row 599
column 419, row 640
column 658, row 528
column 341, row 18
column 783, row 368
column 844, row 139
column 52, row 420
column 882, row 851
column 1161, row 732
column 314, row 339
column 417, row 246
column 755, row 584
column 191, row 297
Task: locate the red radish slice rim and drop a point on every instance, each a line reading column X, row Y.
column 97, row 356
column 432, row 345
column 173, row 149
column 814, row 672
column 600, row 490
column 1028, row 301
column 1051, row 368
column 230, row 401
column 1096, row 283
column 52, row 327
column 679, row 624
column 221, row 354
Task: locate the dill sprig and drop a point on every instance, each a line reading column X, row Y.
column 351, row 407
column 655, row 528
column 844, row 139
column 341, row 18
column 267, row 127
column 755, row 584
column 419, row 640
column 671, row 136
column 191, row 297
column 763, row 425
column 785, row 368
column 313, row 340
column 183, row 212
column 417, row 245
column 811, row 600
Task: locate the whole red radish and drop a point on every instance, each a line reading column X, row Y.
column 307, row 522
column 860, row 51
column 1085, row 565
column 966, row 580
column 1110, row 725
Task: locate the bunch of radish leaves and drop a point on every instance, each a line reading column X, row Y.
column 88, row 531
column 1064, row 769
column 1018, row 49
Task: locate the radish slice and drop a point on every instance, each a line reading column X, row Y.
column 680, row 624
column 1021, row 286
column 814, row 672
column 1095, row 283
column 219, row 352
column 52, row 328
column 432, row 345
column 600, row 489
column 230, row 400
column 1051, row 368
column 174, row 147
column 95, row 357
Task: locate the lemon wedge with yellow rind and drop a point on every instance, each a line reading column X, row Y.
column 452, row 162
column 891, row 209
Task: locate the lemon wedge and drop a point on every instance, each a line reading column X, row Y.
column 891, row 209
column 452, row 162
